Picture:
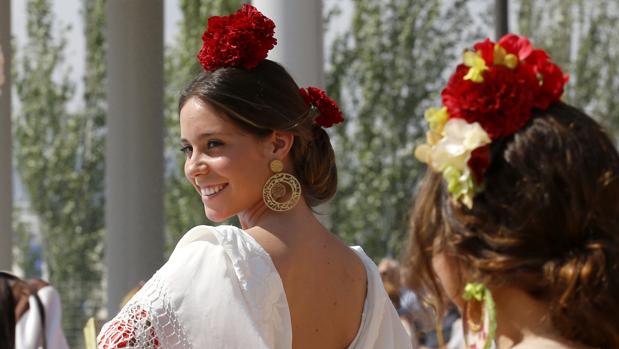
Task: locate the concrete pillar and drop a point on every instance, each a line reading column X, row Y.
column 299, row 33
column 501, row 18
column 134, row 146
column 6, row 188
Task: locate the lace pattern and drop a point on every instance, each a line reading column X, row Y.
column 147, row 321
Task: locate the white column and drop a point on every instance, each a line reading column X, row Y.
column 134, row 146
column 6, row 189
column 299, row 33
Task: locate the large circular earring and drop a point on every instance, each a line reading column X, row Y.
column 479, row 317
column 280, row 185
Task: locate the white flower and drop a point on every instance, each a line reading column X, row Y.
column 454, row 149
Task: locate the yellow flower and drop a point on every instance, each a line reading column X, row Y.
column 474, row 290
column 477, row 64
column 436, row 118
column 501, row 57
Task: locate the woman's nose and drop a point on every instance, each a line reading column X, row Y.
column 196, row 166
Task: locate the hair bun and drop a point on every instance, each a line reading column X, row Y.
column 317, row 168
column 583, row 290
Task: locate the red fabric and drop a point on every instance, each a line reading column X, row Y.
column 122, row 333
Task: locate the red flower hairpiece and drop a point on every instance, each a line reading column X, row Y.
column 509, row 79
column 491, row 95
column 242, row 40
column 330, row 113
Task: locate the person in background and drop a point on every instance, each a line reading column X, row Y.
column 30, row 314
column 517, row 219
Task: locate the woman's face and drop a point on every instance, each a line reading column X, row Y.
column 226, row 165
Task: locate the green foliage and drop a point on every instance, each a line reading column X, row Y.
column 23, row 245
column 60, row 157
column 183, row 208
column 581, row 36
column 386, row 69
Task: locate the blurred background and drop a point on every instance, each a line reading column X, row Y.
column 92, row 193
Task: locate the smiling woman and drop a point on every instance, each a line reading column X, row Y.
column 256, row 148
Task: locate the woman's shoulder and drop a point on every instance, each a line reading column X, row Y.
column 225, row 247
column 216, row 279
column 231, row 239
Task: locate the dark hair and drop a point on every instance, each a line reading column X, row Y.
column 7, row 314
column 266, row 99
column 547, row 222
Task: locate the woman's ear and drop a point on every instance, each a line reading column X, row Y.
column 279, row 144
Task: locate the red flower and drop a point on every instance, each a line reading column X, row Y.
column 479, row 163
column 486, row 49
column 550, row 76
column 330, row 113
column 242, row 39
column 501, row 103
column 517, row 45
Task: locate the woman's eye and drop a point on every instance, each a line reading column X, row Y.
column 187, row 150
column 213, row 144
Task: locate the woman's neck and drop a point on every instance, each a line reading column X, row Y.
column 299, row 217
column 521, row 319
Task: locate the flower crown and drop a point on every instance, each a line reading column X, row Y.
column 243, row 40
column 491, row 95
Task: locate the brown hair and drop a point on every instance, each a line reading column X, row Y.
column 266, row 99
column 547, row 222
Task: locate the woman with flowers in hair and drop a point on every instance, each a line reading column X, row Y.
column 256, row 148
column 517, row 220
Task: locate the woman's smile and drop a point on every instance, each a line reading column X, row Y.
column 208, row 192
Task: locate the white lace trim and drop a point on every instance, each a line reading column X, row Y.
column 147, row 321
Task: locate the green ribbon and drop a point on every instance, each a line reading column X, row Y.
column 474, row 290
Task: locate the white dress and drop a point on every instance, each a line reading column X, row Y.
column 29, row 329
column 220, row 289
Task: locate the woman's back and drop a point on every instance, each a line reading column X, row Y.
column 222, row 289
column 325, row 283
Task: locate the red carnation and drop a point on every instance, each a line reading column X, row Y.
column 486, row 50
column 517, row 45
column 479, row 163
column 242, row 39
column 501, row 104
column 550, row 76
column 330, row 113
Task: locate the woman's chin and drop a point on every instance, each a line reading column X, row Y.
column 216, row 216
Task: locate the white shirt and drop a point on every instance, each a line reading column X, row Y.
column 220, row 289
column 29, row 330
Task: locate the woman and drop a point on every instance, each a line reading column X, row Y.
column 30, row 314
column 517, row 221
column 256, row 148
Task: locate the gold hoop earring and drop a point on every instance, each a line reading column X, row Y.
column 278, row 186
column 479, row 326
